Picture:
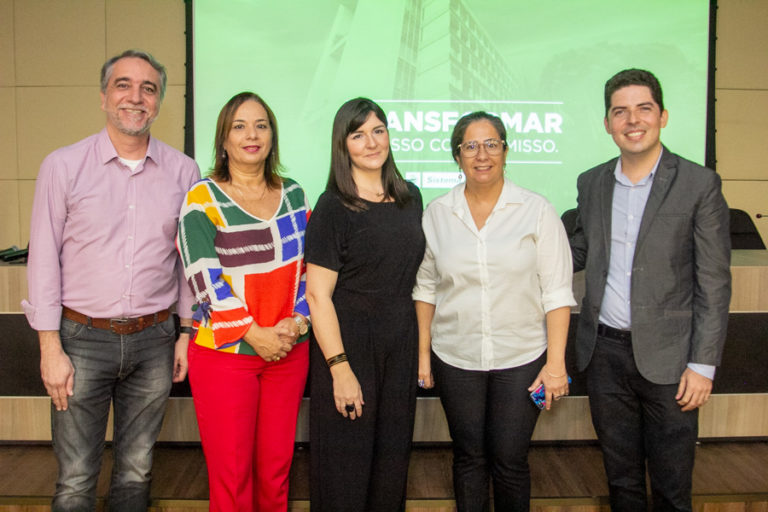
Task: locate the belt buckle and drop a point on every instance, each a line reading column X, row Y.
column 117, row 325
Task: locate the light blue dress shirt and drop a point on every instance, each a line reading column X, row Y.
column 629, row 200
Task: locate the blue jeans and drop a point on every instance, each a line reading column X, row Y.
column 132, row 371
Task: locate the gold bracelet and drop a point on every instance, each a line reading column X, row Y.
column 555, row 376
column 338, row 358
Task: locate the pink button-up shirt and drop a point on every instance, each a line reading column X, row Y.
column 102, row 235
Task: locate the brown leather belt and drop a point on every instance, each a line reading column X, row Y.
column 117, row 325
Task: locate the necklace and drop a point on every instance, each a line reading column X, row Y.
column 371, row 192
column 242, row 194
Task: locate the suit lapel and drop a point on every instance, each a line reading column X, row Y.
column 665, row 175
column 607, row 184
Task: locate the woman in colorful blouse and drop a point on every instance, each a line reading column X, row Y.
column 241, row 239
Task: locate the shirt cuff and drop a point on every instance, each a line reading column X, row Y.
column 707, row 370
column 42, row 319
column 558, row 298
column 423, row 295
column 185, row 302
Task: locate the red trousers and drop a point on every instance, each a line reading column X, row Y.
column 246, row 412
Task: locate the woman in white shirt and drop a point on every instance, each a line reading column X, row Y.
column 493, row 298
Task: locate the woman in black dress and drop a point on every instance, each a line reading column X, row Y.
column 364, row 246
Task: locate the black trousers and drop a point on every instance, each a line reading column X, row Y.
column 362, row 465
column 491, row 419
column 636, row 422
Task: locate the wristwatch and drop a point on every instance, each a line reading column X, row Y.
column 303, row 327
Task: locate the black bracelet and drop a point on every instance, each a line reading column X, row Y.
column 186, row 329
column 339, row 358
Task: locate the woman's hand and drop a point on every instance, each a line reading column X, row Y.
column 346, row 391
column 288, row 330
column 271, row 343
column 426, row 380
column 555, row 384
column 425, row 312
column 553, row 375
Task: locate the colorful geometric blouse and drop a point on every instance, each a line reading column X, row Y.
column 242, row 269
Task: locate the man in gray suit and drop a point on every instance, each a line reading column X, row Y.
column 652, row 234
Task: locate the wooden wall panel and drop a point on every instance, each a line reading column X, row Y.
column 742, row 44
column 155, row 27
column 749, row 274
column 26, row 196
column 13, row 286
column 169, row 125
column 735, row 416
column 25, row 418
column 725, row 416
column 8, row 171
column 9, row 213
column 41, row 112
column 58, row 43
column 7, row 60
column 742, row 153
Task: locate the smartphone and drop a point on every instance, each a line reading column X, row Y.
column 537, row 395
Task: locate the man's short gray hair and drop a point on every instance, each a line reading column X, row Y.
column 106, row 69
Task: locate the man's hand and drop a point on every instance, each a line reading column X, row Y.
column 180, row 363
column 693, row 391
column 56, row 369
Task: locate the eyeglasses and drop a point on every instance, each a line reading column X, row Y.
column 492, row 146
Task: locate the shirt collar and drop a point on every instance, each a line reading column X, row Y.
column 510, row 194
column 107, row 151
column 625, row 181
column 153, row 149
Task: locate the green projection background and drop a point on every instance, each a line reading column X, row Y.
column 540, row 65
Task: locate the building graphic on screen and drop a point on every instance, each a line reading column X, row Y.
column 441, row 52
column 441, row 64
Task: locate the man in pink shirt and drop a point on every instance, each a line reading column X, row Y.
column 103, row 272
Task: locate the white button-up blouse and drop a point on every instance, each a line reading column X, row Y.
column 493, row 287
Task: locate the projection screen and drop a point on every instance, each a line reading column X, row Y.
column 539, row 65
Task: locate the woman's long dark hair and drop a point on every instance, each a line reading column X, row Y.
column 272, row 167
column 349, row 118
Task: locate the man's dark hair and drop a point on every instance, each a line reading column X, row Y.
column 633, row 77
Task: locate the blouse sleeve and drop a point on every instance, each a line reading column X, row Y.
column 218, row 307
column 325, row 233
column 427, row 277
column 300, row 305
column 554, row 266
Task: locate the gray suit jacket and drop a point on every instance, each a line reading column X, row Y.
column 681, row 279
